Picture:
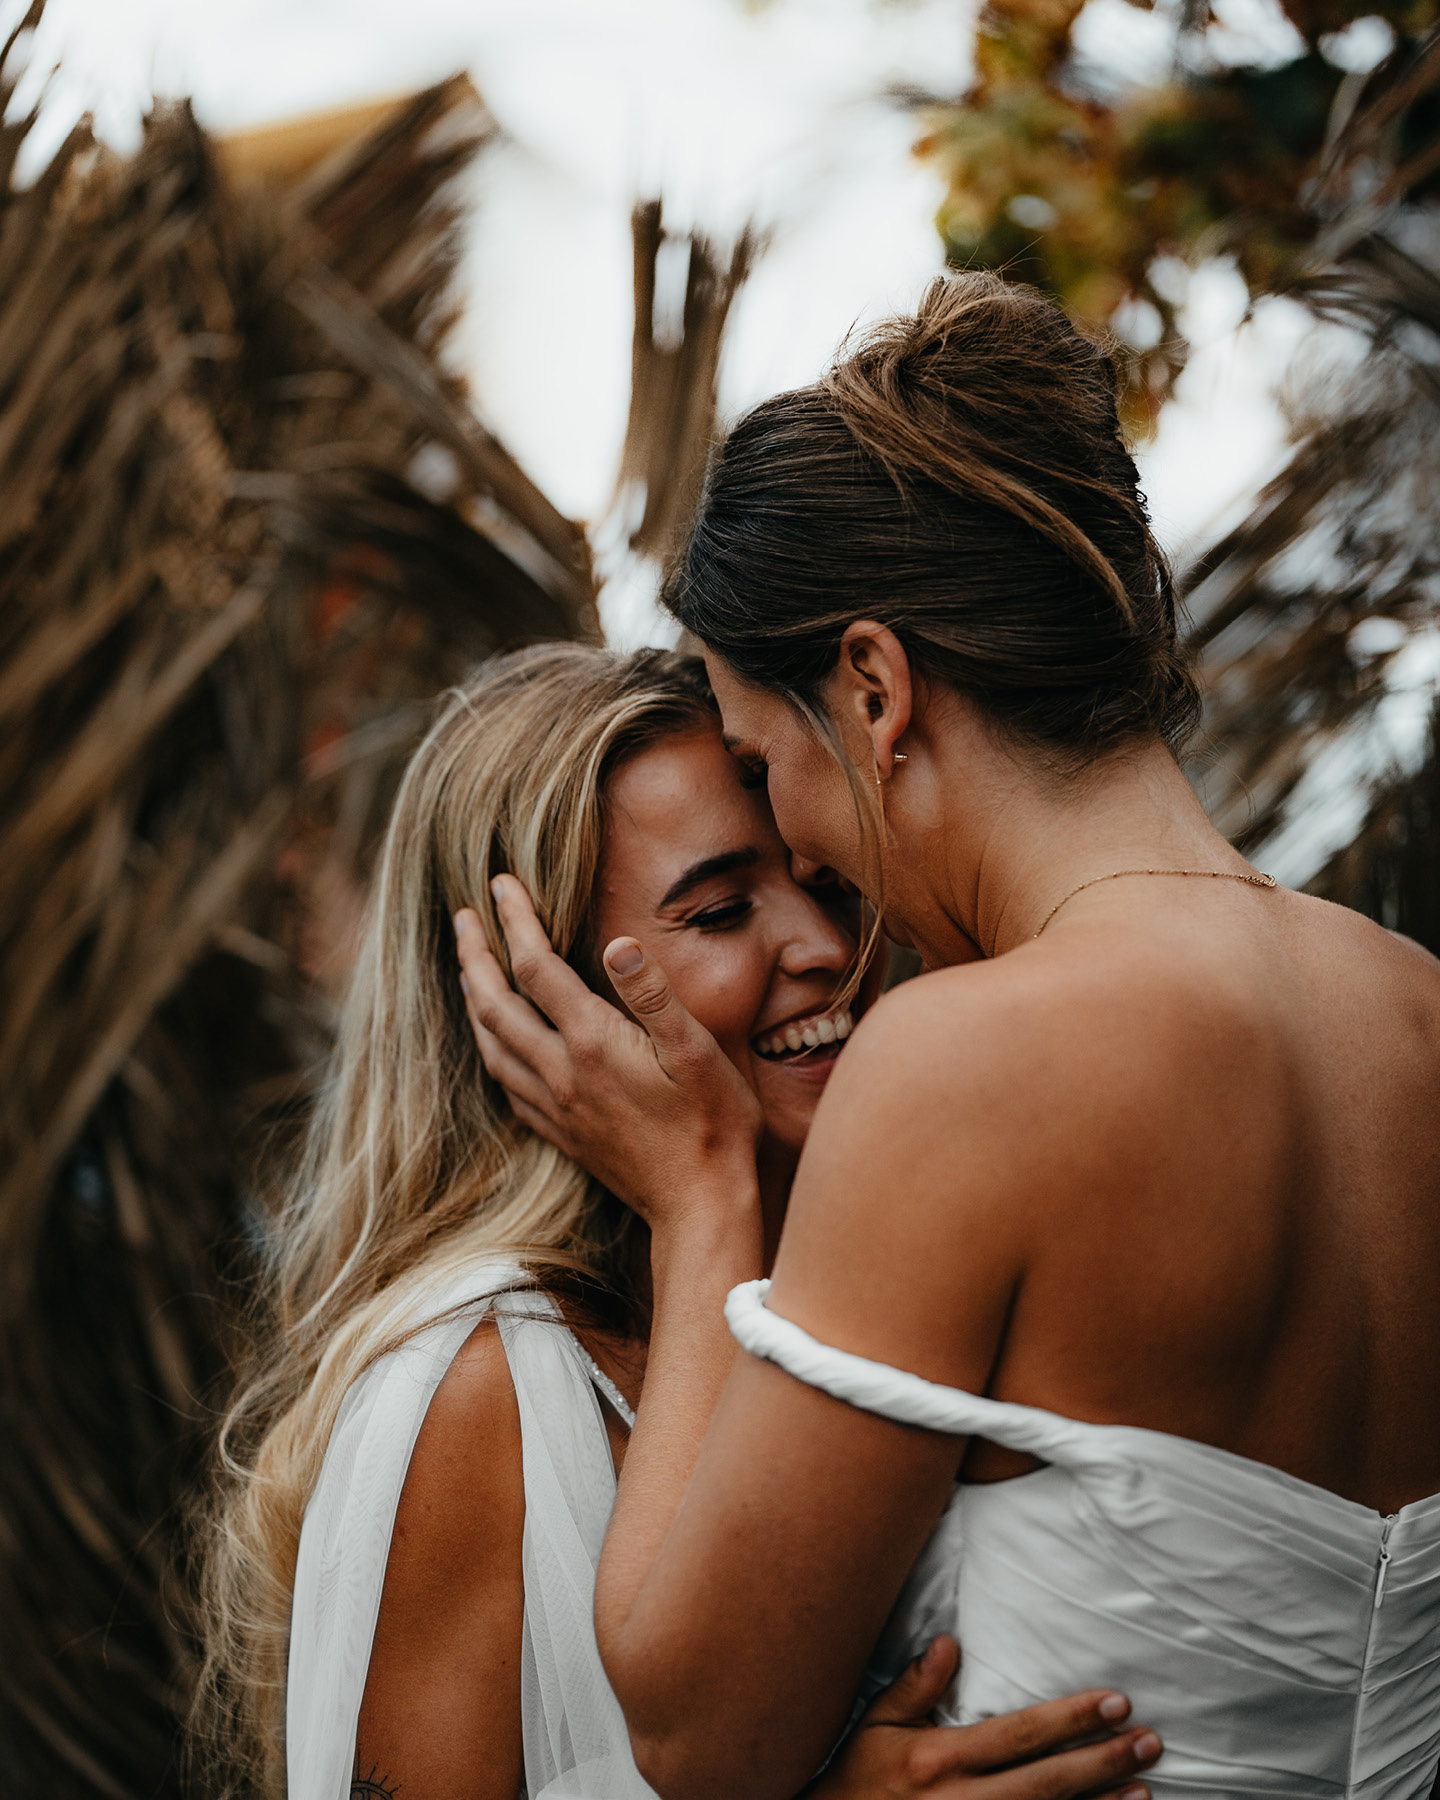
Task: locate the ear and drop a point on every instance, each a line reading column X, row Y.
column 873, row 693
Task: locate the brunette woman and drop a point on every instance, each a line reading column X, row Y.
column 1124, row 1215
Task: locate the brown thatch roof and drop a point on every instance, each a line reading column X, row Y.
column 248, row 526
column 281, row 152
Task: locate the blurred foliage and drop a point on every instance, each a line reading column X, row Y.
column 1316, row 619
column 1063, row 175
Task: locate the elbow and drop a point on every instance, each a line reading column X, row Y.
column 664, row 1730
column 660, row 1767
column 671, row 1767
column 692, row 1762
column 684, row 1748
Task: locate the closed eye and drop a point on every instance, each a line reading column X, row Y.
column 720, row 917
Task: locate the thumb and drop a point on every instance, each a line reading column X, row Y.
column 916, row 1691
column 645, row 989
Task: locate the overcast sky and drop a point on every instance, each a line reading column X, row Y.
column 771, row 112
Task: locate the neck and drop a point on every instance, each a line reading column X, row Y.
column 775, row 1166
column 1026, row 838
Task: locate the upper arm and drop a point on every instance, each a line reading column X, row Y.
column 804, row 1515
column 441, row 1712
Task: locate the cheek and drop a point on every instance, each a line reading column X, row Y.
column 722, row 983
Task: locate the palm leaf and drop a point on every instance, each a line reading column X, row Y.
column 224, row 606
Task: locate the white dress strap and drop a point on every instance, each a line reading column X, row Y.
column 607, row 1387
column 896, row 1394
column 576, row 1743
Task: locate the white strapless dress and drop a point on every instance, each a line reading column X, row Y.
column 575, row 1740
column 1283, row 1641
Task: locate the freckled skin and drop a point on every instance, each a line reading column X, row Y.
column 746, row 951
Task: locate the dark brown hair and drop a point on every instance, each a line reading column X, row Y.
column 958, row 476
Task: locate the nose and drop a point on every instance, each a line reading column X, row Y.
column 809, row 874
column 815, row 936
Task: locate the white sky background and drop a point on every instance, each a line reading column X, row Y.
column 771, row 112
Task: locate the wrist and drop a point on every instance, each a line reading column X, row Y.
column 714, row 1226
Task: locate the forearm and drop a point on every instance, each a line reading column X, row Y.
column 695, row 1263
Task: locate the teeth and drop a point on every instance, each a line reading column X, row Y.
column 831, row 1029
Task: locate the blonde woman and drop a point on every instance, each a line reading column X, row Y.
column 421, row 1473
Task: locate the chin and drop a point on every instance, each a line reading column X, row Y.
column 789, row 1094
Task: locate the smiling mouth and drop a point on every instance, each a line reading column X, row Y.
column 803, row 1037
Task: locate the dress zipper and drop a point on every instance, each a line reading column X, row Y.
column 1386, row 1525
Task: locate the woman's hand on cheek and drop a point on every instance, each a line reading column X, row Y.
column 653, row 1109
column 895, row 1752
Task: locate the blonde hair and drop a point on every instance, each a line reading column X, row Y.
column 415, row 1167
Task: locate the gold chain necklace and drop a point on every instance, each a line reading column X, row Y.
column 1260, row 881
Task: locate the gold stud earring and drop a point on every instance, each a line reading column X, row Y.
column 898, row 757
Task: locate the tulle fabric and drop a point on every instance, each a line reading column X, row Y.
column 575, row 1742
column 1284, row 1641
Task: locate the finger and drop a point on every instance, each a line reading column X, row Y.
column 547, row 978
column 492, row 1002
column 1019, row 1736
column 1093, row 1768
column 516, row 1077
column 539, row 1122
column 645, row 989
column 916, row 1691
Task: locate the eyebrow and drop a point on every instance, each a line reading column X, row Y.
column 707, row 869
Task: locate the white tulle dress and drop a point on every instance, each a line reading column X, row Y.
column 575, row 1741
column 1284, row 1642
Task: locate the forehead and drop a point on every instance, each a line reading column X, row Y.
column 682, row 800
column 749, row 714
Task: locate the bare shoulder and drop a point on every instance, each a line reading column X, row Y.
column 1123, row 1035
column 441, row 1711
column 1020, row 1043
column 1039, row 1074
column 1413, row 944
column 981, row 1117
column 466, row 1468
column 468, row 1452
column 961, row 1115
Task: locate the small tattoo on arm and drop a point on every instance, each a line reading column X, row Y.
column 372, row 1786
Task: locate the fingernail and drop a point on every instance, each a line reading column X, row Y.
column 455, row 924
column 1134, row 1793
column 1113, row 1706
column 497, row 888
column 1147, row 1746
column 464, row 987
column 628, row 960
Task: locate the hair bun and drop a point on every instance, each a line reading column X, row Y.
column 959, row 473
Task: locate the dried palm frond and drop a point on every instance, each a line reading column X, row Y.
column 1319, row 616
column 248, row 526
column 685, row 286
